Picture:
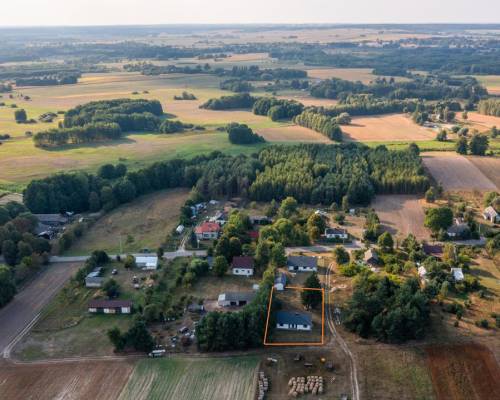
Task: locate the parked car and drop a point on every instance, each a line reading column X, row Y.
column 114, row 272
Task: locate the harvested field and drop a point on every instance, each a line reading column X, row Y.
column 463, row 372
column 148, row 220
column 293, row 133
column 364, row 75
column 456, row 172
column 309, row 100
column 401, row 215
column 391, row 127
column 79, row 380
column 489, row 166
column 490, row 82
column 480, row 122
column 193, row 379
column 5, row 198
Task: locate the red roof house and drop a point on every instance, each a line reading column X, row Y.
column 207, row 230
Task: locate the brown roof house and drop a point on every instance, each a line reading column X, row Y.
column 243, row 265
column 103, row 306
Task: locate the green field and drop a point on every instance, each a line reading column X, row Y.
column 193, row 379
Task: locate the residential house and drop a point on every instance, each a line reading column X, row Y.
column 242, row 265
column 458, row 274
column 110, row 306
column 235, row 299
column 207, row 231
column 336, row 233
column 302, row 263
column 371, row 258
column 93, row 279
column 458, row 231
column 280, row 281
column 293, row 321
column 435, row 250
column 491, row 215
column 219, row 218
column 52, row 219
column 147, row 262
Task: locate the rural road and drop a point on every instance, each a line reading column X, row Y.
column 18, row 315
column 166, row 256
column 354, row 245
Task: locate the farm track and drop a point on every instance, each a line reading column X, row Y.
column 342, row 343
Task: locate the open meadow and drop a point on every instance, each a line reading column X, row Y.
column 480, row 122
column 193, row 379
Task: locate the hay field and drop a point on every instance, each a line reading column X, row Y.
column 480, row 122
column 293, row 133
column 401, row 215
column 308, row 100
column 391, row 127
column 193, row 379
column 101, row 380
column 456, row 172
column 148, row 219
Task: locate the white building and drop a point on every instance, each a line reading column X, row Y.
column 336, row 233
column 280, row 281
column 243, row 265
column 458, row 274
column 302, row 264
column 491, row 215
column 147, row 262
column 110, row 306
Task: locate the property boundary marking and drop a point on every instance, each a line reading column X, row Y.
column 266, row 343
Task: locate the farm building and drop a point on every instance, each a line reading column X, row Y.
column 260, row 220
column 52, row 219
column 235, row 299
column 458, row 274
column 336, row 233
column 458, row 231
column 293, row 321
column 110, row 306
column 491, row 215
column 147, row 262
column 302, row 263
column 371, row 258
column 93, row 279
column 280, row 281
column 243, row 265
column 207, row 231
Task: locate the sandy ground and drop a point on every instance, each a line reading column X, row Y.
column 456, row 172
column 101, row 380
column 464, row 372
column 386, row 127
column 293, row 133
column 16, row 315
column 401, row 215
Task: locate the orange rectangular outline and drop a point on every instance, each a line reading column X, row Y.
column 266, row 343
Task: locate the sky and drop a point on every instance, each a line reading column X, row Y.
column 137, row 12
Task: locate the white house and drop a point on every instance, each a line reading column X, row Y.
column 336, row 233
column 110, row 306
column 280, row 281
column 93, row 279
column 293, row 321
column 302, row 263
column 458, row 274
column 147, row 262
column 243, row 265
column 491, row 215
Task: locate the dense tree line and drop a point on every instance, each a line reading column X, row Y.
column 489, row 107
column 93, row 132
column 49, row 80
column 241, row 100
column 320, row 123
column 236, row 85
column 242, row 134
column 277, row 109
column 5, row 87
column 386, row 310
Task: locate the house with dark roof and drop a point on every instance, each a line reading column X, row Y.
column 280, row 281
column 102, row 306
column 207, row 231
column 242, row 265
column 293, row 321
column 371, row 258
column 302, row 263
column 94, row 279
column 235, row 299
column 458, row 231
column 260, row 220
column 336, row 233
column 435, row 250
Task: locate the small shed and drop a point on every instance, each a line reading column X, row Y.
column 147, row 262
column 458, row 274
column 280, row 281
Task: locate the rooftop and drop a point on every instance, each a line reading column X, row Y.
column 280, row 278
column 103, row 303
column 237, row 296
column 242, row 262
column 293, row 318
column 207, row 227
column 304, row 261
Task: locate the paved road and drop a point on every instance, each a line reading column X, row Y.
column 167, row 256
column 16, row 316
column 319, row 248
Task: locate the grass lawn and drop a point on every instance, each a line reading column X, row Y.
column 192, row 379
column 146, row 222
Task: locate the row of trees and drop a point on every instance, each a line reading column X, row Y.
column 93, row 132
column 320, row 123
column 49, row 80
column 241, row 100
column 489, row 107
column 236, row 85
column 277, row 109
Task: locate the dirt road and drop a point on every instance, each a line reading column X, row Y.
column 16, row 316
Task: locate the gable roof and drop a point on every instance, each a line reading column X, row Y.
column 206, row 227
column 302, row 261
column 103, row 303
column 435, row 250
column 458, row 275
column 370, row 254
column 335, row 231
column 245, row 262
column 293, row 318
column 149, row 261
column 458, row 229
column 237, row 296
column 490, row 211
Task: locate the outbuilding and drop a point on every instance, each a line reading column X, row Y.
column 280, row 281
column 147, row 262
column 235, row 299
column 110, row 306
